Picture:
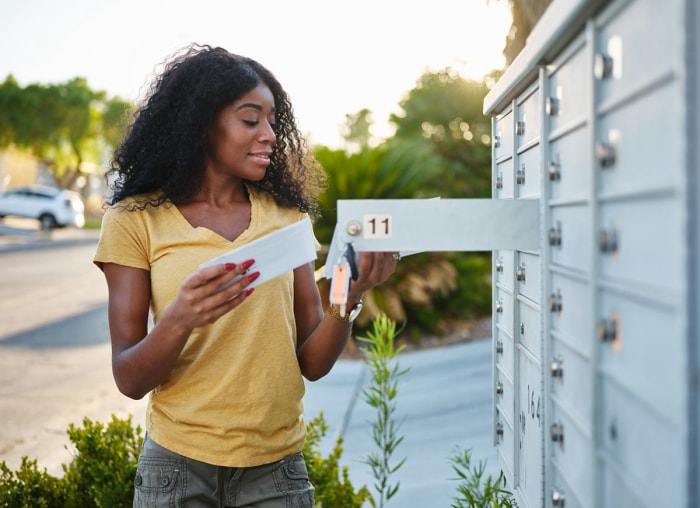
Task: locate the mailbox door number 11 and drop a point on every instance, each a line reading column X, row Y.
column 377, row 226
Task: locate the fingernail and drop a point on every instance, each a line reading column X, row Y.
column 248, row 264
column 230, row 266
column 248, row 292
column 253, row 276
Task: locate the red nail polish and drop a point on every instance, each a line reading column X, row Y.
column 248, row 264
column 253, row 276
column 230, row 266
column 248, row 292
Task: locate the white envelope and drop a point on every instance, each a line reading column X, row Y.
column 274, row 254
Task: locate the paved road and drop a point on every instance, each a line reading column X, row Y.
column 54, row 345
column 54, row 369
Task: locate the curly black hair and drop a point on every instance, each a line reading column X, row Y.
column 165, row 149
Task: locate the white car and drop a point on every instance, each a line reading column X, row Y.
column 50, row 206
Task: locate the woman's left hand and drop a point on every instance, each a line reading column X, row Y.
column 374, row 269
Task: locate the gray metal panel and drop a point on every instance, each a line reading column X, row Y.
column 629, row 404
column 504, row 261
column 529, row 270
column 529, row 429
column 692, row 101
column 569, row 166
column 440, row 224
column 503, row 135
column 504, row 185
column 644, row 44
column 567, row 80
column 528, row 173
column 528, row 124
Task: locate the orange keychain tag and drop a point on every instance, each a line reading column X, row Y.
column 340, row 284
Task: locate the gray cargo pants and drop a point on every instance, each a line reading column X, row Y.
column 166, row 479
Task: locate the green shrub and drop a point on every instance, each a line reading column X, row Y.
column 475, row 491
column 99, row 476
column 331, row 483
column 471, row 298
column 103, row 470
column 30, row 488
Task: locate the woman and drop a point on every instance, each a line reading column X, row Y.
column 212, row 161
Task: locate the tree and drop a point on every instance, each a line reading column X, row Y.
column 63, row 125
column 357, row 129
column 446, row 109
column 525, row 13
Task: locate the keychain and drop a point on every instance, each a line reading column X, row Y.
column 344, row 270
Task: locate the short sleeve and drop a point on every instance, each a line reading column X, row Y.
column 123, row 239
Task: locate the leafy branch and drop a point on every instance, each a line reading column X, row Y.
column 380, row 357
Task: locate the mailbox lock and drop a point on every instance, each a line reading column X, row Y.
column 607, row 330
column 555, row 236
column 499, row 182
column 497, row 141
column 520, row 274
column 519, row 128
column 499, row 306
column 557, row 368
column 499, row 347
column 555, row 302
column 520, row 175
column 499, row 429
column 551, row 106
column 499, row 388
column 557, row 432
column 558, row 498
column 607, row 241
column 499, row 266
column 554, row 172
column 612, row 429
column 353, row 228
column 602, row 66
column 605, row 154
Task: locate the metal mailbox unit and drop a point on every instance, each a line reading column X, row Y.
column 596, row 343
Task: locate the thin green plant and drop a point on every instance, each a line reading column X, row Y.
column 380, row 356
column 476, row 490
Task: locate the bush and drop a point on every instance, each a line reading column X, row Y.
column 30, row 488
column 475, row 491
column 102, row 471
column 99, row 476
column 332, row 485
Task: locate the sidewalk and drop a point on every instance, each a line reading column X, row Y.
column 443, row 402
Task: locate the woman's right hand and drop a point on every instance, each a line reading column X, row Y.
column 209, row 293
column 142, row 358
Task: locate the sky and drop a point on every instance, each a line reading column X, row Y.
column 333, row 58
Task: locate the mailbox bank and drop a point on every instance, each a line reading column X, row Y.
column 596, row 343
column 594, row 227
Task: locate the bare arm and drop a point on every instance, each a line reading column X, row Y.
column 321, row 338
column 141, row 360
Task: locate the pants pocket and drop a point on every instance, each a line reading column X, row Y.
column 296, row 473
column 158, row 483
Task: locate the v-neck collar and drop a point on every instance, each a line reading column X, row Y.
column 216, row 237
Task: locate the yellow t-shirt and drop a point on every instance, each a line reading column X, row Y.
column 234, row 398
